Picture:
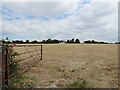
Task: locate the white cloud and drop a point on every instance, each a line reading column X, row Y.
column 57, row 0
column 42, row 8
column 40, row 0
column 93, row 21
column 105, row 0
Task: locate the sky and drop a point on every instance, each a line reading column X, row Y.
column 59, row 19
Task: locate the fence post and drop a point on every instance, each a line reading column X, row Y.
column 6, row 67
column 3, row 68
column 41, row 52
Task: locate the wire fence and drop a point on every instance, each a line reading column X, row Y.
column 27, row 57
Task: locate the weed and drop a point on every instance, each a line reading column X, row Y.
column 79, row 84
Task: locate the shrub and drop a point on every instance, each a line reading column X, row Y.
column 79, row 84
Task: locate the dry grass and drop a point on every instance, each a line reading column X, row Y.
column 64, row 64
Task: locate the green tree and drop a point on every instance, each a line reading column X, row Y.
column 49, row 41
column 72, row 40
column 43, row 41
column 27, row 41
column 68, row 41
column 55, row 41
column 35, row 41
column 77, row 41
column 7, row 38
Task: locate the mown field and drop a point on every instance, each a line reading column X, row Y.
column 76, row 65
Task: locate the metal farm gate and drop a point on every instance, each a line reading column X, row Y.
column 27, row 56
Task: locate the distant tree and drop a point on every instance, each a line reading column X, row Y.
column 0, row 42
column 77, row 41
column 43, row 41
column 95, row 42
column 35, row 41
column 3, row 41
column 87, row 41
column 61, row 41
column 13, row 41
column 27, row 41
column 117, row 43
column 19, row 41
column 49, row 41
column 7, row 38
column 8, row 42
column 71, row 41
column 55, row 41
column 68, row 41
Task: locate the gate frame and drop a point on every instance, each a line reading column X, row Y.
column 5, row 63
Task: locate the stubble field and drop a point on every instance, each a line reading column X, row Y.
column 76, row 65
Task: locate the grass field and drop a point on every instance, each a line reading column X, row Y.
column 76, row 65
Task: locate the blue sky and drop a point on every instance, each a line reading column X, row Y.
column 83, row 19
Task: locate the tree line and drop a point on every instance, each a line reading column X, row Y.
column 43, row 41
column 53, row 41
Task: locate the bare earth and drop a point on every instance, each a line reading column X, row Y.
column 63, row 64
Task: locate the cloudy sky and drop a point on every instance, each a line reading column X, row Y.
column 65, row 19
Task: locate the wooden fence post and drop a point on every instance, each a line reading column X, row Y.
column 41, row 52
column 3, row 68
column 6, row 66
